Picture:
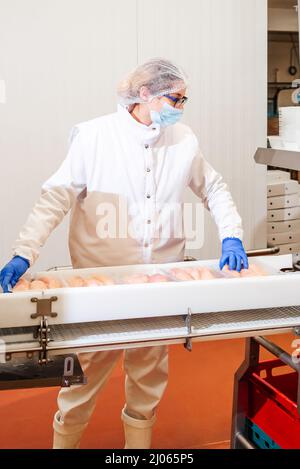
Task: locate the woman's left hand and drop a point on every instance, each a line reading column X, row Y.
column 233, row 254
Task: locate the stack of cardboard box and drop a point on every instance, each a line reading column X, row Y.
column 283, row 212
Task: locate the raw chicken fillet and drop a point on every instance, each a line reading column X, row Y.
column 97, row 280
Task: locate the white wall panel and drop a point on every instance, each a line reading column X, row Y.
column 222, row 44
column 60, row 61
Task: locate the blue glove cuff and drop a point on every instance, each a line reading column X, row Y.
column 232, row 239
column 23, row 259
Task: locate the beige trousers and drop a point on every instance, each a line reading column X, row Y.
column 146, row 371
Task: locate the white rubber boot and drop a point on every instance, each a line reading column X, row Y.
column 138, row 433
column 63, row 440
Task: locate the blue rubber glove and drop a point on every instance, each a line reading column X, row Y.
column 11, row 273
column 233, row 254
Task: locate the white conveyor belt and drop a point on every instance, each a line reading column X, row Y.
column 111, row 335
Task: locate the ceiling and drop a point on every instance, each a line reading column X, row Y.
column 282, row 3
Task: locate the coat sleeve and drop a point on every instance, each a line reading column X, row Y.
column 207, row 184
column 58, row 194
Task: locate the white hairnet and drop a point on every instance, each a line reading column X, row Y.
column 160, row 76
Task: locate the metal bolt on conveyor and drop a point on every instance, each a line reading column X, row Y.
column 43, row 310
column 188, row 322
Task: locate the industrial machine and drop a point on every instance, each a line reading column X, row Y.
column 41, row 331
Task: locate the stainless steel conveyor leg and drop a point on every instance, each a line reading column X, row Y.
column 277, row 351
column 240, row 396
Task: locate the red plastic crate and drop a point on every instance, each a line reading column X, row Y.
column 272, row 402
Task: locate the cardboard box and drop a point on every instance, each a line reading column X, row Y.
column 289, row 249
column 276, row 239
column 283, row 214
column 277, row 175
column 283, row 201
column 283, row 188
column 283, row 226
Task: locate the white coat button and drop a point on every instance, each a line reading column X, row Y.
column 148, row 196
column 146, row 146
column 148, row 170
column 149, row 222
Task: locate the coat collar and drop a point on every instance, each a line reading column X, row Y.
column 144, row 134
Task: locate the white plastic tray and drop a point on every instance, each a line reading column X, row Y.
column 75, row 305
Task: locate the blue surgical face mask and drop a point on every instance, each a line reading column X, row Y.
column 168, row 115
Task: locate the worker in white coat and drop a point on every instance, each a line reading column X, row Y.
column 130, row 164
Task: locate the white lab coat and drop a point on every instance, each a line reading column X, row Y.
column 122, row 180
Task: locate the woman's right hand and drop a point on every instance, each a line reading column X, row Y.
column 12, row 271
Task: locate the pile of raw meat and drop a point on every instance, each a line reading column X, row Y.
column 172, row 275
